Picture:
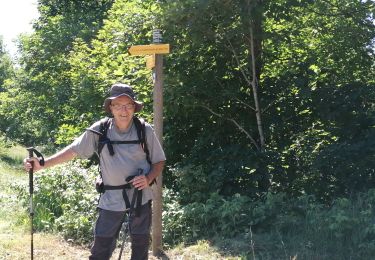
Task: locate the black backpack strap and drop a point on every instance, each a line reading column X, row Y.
column 126, row 142
column 137, row 196
column 141, row 132
column 103, row 139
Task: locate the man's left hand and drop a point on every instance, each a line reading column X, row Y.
column 140, row 182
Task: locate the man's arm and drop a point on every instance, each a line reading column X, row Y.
column 62, row 156
column 156, row 170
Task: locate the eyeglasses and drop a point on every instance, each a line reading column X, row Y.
column 119, row 106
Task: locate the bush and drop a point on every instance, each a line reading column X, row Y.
column 65, row 201
column 278, row 226
column 272, row 227
column 217, row 216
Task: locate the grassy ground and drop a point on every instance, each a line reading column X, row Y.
column 15, row 238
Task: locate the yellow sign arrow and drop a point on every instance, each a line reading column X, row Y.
column 149, row 49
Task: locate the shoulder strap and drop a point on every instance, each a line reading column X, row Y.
column 103, row 139
column 141, row 132
column 104, row 125
column 140, row 126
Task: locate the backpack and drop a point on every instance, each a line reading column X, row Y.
column 104, row 140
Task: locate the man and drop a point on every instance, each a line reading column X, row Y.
column 128, row 159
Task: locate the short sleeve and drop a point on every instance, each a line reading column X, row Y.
column 156, row 151
column 86, row 144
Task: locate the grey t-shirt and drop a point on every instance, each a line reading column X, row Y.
column 126, row 161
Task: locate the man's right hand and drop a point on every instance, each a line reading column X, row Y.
column 32, row 163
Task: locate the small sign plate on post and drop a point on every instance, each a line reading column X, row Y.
column 156, row 36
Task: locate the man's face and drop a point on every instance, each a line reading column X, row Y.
column 122, row 109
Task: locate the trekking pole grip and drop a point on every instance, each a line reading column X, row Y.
column 31, row 171
column 40, row 158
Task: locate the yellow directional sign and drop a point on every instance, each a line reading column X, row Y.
column 150, row 61
column 149, row 49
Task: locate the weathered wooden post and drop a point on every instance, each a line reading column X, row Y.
column 154, row 61
column 157, row 226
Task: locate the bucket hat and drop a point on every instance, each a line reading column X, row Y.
column 118, row 90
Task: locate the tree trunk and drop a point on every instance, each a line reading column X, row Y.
column 252, row 20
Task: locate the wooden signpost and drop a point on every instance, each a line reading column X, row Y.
column 154, row 61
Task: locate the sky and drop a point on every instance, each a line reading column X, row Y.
column 15, row 18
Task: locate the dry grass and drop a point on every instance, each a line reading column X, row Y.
column 201, row 251
column 46, row 246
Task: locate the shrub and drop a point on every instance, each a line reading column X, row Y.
column 272, row 227
column 217, row 216
column 65, row 200
column 278, row 226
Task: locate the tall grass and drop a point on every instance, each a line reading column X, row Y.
column 11, row 211
column 12, row 154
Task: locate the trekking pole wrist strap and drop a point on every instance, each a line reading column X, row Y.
column 38, row 155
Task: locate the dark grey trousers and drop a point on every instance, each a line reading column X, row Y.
column 107, row 228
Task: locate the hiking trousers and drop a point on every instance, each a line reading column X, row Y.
column 107, row 229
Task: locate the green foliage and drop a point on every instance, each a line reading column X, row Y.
column 322, row 114
column 335, row 155
column 315, row 88
column 217, row 216
column 65, row 201
column 44, row 87
column 10, row 152
column 278, row 225
column 238, row 169
column 303, row 71
column 315, row 67
column 6, row 66
column 209, row 101
column 96, row 65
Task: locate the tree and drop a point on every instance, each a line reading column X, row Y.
column 309, row 65
column 44, row 57
column 299, row 60
column 215, row 67
column 6, row 65
column 95, row 66
column 304, row 50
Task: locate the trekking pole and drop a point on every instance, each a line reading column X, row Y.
column 31, row 209
column 128, row 213
column 31, row 150
column 126, row 232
